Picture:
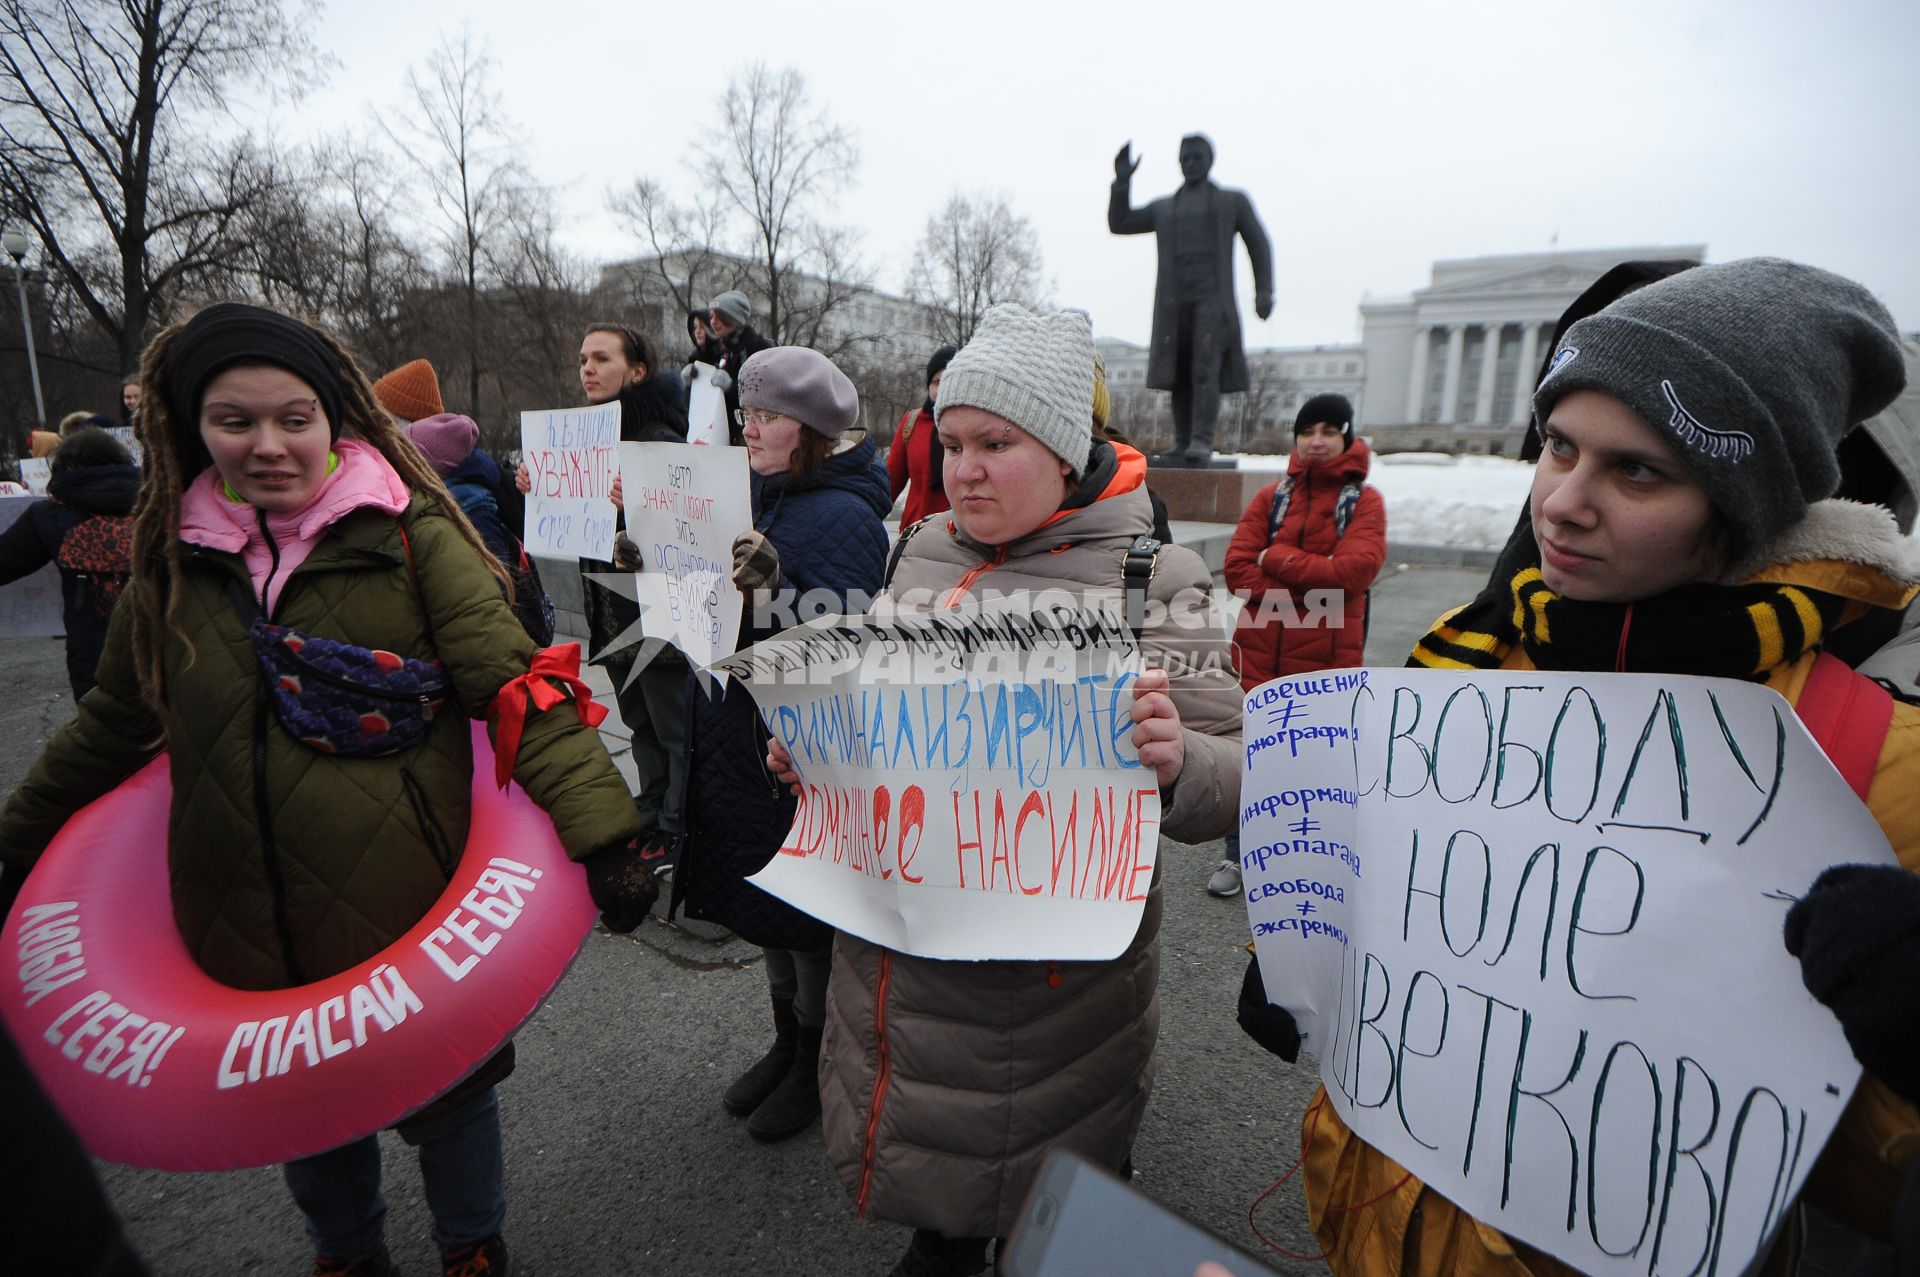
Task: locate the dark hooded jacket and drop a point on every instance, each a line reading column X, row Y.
column 74, row 497
column 735, row 349
column 829, row 534
column 475, row 484
column 651, row 412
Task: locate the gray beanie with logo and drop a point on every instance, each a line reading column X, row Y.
column 734, row 305
column 1034, row 370
column 1751, row 370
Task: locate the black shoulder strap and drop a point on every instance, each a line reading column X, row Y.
column 1136, row 573
column 900, row 546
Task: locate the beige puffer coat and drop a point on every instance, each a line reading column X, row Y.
column 944, row 1084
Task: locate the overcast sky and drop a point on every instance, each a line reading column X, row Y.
column 1373, row 137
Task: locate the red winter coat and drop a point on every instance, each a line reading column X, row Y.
column 1306, row 555
column 910, row 460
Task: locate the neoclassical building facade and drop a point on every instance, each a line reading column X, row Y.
column 1454, row 362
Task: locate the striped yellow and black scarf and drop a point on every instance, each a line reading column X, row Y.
column 1725, row 631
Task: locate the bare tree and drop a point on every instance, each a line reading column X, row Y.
column 464, row 149
column 1256, row 414
column 106, row 108
column 535, row 315
column 819, row 305
column 777, row 160
column 684, row 242
column 975, row 253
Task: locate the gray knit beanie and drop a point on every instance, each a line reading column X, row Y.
column 1034, row 370
column 734, row 305
column 803, row 384
column 1752, row 370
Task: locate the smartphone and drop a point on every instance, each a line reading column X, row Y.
column 1081, row 1221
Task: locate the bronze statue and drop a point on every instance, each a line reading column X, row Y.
column 1196, row 350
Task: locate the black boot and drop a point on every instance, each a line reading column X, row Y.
column 751, row 1089
column 795, row 1103
column 936, row 1255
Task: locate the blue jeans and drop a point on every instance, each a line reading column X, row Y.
column 1233, row 846
column 462, row 1168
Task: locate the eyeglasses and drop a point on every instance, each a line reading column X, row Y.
column 744, row 417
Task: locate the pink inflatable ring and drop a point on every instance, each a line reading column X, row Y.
column 157, row 1065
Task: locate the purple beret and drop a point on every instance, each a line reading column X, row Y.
column 803, row 384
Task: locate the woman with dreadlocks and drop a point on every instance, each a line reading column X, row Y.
column 277, row 490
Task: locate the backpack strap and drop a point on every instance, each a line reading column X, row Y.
column 1136, row 574
column 1847, row 714
column 1343, row 506
column 900, row 545
column 1277, row 512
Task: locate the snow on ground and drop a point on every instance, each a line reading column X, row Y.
column 1434, row 498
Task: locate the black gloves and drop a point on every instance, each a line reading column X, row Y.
column 1267, row 1024
column 622, row 886
column 1857, row 935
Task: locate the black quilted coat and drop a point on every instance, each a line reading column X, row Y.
column 829, row 536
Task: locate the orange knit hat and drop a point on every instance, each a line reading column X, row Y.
column 410, row 392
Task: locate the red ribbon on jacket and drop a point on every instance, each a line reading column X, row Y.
column 554, row 674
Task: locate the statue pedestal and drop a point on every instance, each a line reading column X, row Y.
column 1215, row 494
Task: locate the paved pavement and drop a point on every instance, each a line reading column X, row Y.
column 620, row 1159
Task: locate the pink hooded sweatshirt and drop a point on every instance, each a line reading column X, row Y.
column 210, row 518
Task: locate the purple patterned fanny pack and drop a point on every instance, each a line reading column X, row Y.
column 340, row 699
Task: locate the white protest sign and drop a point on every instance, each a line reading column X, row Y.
column 30, row 606
column 706, row 408
column 685, row 505
column 1530, row 925
column 126, row 436
column 572, row 457
column 36, row 473
column 970, row 787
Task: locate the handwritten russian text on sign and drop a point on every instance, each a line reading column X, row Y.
column 706, row 408
column 970, row 787
column 1530, row 925
column 29, row 607
column 685, row 505
column 36, row 473
column 572, row 457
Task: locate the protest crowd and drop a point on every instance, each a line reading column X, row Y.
column 302, row 539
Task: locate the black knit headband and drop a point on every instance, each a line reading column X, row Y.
column 234, row 333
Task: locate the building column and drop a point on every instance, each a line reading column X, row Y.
column 1417, row 383
column 1489, row 369
column 1529, row 369
column 1450, row 388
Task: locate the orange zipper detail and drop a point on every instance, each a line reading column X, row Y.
column 880, row 1076
column 959, row 591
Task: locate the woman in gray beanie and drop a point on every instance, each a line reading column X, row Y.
column 1679, row 524
column 819, row 498
column 989, row 1065
column 728, row 318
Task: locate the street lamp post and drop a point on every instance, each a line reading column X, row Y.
column 15, row 243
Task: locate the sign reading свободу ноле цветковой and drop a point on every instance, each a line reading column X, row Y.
column 1530, row 925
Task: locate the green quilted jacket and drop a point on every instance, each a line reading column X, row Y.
column 347, row 854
